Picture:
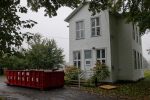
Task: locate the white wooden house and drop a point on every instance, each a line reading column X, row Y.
column 107, row 38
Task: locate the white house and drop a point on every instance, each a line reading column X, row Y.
column 107, row 38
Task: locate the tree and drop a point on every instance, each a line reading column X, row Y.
column 11, row 37
column 136, row 11
column 44, row 53
column 13, row 61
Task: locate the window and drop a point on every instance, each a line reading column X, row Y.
column 101, row 55
column 77, row 59
column 138, row 57
column 87, row 56
column 140, row 39
column 141, row 61
column 133, row 31
column 95, row 26
column 135, row 60
column 80, row 30
column 137, row 35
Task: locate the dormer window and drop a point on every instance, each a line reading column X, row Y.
column 95, row 26
column 79, row 30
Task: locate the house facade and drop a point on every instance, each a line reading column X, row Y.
column 105, row 38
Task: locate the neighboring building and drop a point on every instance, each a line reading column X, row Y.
column 107, row 38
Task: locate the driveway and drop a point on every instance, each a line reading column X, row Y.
column 20, row 93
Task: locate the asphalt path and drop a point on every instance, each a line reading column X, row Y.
column 65, row 93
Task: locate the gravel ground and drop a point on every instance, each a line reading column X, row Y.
column 20, row 93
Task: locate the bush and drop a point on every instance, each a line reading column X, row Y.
column 101, row 72
column 71, row 73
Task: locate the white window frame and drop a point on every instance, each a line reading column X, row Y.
column 100, row 59
column 77, row 60
column 79, row 34
column 96, row 26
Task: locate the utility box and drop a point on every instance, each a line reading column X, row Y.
column 35, row 78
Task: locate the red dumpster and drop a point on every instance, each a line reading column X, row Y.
column 35, row 78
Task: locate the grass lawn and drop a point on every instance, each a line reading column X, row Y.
column 133, row 91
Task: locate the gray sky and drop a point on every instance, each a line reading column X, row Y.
column 56, row 28
column 146, row 45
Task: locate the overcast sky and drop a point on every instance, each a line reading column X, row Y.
column 57, row 29
column 146, row 45
column 54, row 27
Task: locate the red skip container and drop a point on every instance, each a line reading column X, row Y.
column 35, row 79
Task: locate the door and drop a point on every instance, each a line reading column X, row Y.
column 87, row 62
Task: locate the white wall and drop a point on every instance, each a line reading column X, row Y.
column 125, row 71
column 122, row 45
column 138, row 73
column 119, row 54
column 114, row 47
column 89, row 42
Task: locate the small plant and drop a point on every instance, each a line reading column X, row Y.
column 71, row 73
column 101, row 72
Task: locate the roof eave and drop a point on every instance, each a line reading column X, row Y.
column 73, row 13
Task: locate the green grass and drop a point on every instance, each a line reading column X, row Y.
column 136, row 91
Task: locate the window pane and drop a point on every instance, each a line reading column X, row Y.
column 98, row 30
column 79, row 55
column 88, row 62
column 78, row 34
column 74, row 56
column 103, row 53
column 141, row 61
column 136, row 30
column 93, row 22
column 133, row 32
column 140, row 39
column 93, row 31
column 97, row 21
column 138, row 61
column 77, row 26
column 79, row 64
column 135, row 64
column 81, row 25
column 82, row 33
column 87, row 54
column 137, row 38
column 98, row 53
column 74, row 63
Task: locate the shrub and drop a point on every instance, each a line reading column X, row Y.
column 71, row 73
column 101, row 72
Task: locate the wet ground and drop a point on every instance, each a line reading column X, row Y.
column 20, row 93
